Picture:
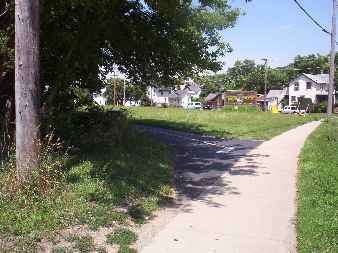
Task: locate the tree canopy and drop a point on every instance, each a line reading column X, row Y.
column 152, row 41
column 248, row 75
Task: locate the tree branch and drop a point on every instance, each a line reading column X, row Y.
column 5, row 11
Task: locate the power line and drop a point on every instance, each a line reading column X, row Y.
column 312, row 18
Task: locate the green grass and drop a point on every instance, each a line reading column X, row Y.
column 122, row 237
column 318, row 192
column 96, row 181
column 254, row 125
column 125, row 249
column 83, row 244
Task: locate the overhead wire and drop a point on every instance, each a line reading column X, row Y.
column 325, row 30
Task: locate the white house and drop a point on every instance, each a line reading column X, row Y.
column 314, row 87
column 100, row 98
column 159, row 96
column 175, row 97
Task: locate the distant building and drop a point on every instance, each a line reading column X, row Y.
column 100, row 98
column 215, row 100
column 240, row 97
column 275, row 97
column 159, row 96
column 315, row 87
column 231, row 97
column 179, row 97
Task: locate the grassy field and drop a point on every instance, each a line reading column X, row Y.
column 254, row 125
column 101, row 185
column 318, row 192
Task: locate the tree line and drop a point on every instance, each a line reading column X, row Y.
column 248, row 75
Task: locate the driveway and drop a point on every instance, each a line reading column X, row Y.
column 235, row 196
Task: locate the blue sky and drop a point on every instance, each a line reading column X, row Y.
column 278, row 30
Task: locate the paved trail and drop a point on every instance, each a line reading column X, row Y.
column 239, row 196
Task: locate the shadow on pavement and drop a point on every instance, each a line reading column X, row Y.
column 201, row 161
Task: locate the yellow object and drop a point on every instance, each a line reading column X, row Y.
column 274, row 109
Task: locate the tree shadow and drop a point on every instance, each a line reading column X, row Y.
column 133, row 177
column 184, row 126
column 203, row 163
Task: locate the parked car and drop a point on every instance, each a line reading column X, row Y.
column 291, row 109
column 207, row 107
column 194, row 105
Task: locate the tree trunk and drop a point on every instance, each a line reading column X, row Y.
column 27, row 87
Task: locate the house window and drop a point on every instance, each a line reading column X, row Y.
column 293, row 98
column 296, row 86
column 308, row 85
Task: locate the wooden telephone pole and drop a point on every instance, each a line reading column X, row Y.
column 27, row 87
column 332, row 59
column 265, row 83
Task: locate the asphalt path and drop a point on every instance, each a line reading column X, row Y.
column 201, row 159
column 235, row 196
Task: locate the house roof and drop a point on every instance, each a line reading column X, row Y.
column 212, row 96
column 178, row 93
column 192, row 86
column 275, row 94
column 321, row 78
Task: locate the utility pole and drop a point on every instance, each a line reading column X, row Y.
column 124, row 92
column 114, row 88
column 265, row 82
column 332, row 59
column 27, row 87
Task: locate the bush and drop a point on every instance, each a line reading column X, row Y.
column 81, row 129
column 305, row 104
column 320, row 107
column 145, row 101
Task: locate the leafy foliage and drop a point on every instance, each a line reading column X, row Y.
column 132, row 92
column 150, row 41
column 248, row 75
column 245, row 75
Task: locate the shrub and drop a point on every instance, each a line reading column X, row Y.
column 320, row 107
column 305, row 103
column 90, row 128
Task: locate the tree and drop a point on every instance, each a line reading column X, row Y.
column 117, row 88
column 27, row 90
column 158, row 42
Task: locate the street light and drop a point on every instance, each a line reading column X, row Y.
column 265, row 82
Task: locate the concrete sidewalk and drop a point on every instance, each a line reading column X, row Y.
column 256, row 215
